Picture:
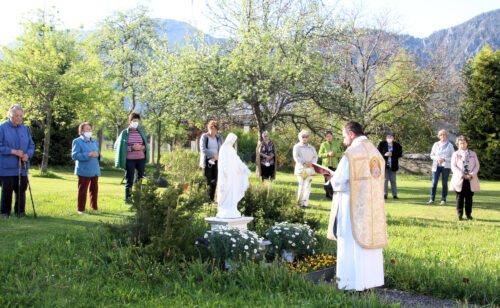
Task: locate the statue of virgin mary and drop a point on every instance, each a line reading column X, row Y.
column 232, row 180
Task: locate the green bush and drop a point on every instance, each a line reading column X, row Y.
column 182, row 167
column 231, row 243
column 166, row 224
column 296, row 237
column 247, row 144
column 269, row 205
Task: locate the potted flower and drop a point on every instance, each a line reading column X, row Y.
column 231, row 244
column 291, row 240
column 316, row 268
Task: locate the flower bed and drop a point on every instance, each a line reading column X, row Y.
column 298, row 238
column 316, row 268
column 225, row 243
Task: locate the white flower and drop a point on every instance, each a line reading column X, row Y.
column 289, row 242
column 276, row 246
column 205, row 236
column 233, row 240
column 255, row 251
column 293, row 235
column 307, row 246
column 234, row 245
column 196, row 243
column 246, row 247
column 293, row 244
column 296, row 233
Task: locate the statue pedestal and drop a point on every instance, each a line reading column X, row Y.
column 239, row 223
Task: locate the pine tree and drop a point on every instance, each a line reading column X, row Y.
column 480, row 112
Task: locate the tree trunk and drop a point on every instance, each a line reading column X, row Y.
column 151, row 149
column 46, row 141
column 158, row 154
column 99, row 139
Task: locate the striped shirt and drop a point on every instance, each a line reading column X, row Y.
column 134, row 138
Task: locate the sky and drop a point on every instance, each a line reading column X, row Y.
column 416, row 17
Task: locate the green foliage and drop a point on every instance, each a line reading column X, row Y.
column 247, row 144
column 182, row 166
column 230, row 243
column 480, row 112
column 268, row 204
column 295, row 237
column 409, row 118
column 165, row 223
column 45, row 73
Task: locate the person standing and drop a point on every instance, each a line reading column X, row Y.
column 357, row 218
column 441, row 164
column 210, row 143
column 304, row 156
column 392, row 151
column 265, row 158
column 85, row 153
column 329, row 152
column 464, row 181
column 16, row 148
column 131, row 151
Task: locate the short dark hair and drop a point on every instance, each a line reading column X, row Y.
column 134, row 116
column 389, row 134
column 81, row 126
column 354, row 127
column 328, row 132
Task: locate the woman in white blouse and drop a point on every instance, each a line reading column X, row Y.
column 441, row 165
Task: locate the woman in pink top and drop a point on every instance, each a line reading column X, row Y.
column 464, row 182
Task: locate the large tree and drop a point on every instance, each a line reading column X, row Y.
column 44, row 73
column 260, row 72
column 124, row 42
column 480, row 112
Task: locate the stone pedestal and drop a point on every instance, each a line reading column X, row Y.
column 239, row 223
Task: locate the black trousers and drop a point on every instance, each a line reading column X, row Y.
column 132, row 165
column 10, row 184
column 465, row 195
column 211, row 172
column 329, row 188
column 266, row 173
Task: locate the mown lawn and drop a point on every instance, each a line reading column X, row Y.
column 66, row 259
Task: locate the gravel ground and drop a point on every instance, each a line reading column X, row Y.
column 406, row 299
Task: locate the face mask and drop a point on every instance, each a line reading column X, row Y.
column 87, row 135
column 389, row 140
column 134, row 124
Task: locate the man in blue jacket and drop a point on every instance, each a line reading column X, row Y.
column 16, row 148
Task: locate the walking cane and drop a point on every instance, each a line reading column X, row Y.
column 29, row 187
column 19, row 190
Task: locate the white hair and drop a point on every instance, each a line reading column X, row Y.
column 302, row 133
column 264, row 133
column 14, row 108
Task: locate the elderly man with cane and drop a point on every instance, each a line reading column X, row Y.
column 16, row 148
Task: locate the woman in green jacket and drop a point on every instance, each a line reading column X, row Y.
column 131, row 152
column 329, row 152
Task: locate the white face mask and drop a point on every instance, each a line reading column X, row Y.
column 87, row 135
column 389, row 140
column 134, row 124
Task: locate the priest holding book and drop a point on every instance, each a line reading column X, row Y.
column 357, row 218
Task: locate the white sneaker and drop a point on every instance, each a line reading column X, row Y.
column 81, row 212
column 442, row 203
column 430, row 202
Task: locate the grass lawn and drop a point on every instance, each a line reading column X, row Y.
column 66, row 259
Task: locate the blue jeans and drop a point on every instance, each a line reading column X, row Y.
column 435, row 179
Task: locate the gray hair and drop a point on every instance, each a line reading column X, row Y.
column 14, row 108
column 265, row 133
column 302, row 132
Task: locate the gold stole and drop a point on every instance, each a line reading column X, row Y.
column 367, row 206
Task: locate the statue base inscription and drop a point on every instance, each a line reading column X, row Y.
column 239, row 223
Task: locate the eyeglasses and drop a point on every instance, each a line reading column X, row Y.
column 305, row 136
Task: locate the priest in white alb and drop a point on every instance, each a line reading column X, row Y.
column 357, row 218
column 232, row 181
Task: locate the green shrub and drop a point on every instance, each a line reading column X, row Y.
column 231, row 243
column 247, row 144
column 269, row 205
column 165, row 223
column 182, row 166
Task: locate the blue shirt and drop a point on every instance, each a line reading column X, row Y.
column 84, row 164
column 14, row 138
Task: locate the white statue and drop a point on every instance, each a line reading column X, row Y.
column 232, row 180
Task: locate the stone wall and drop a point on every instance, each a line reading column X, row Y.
column 416, row 164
